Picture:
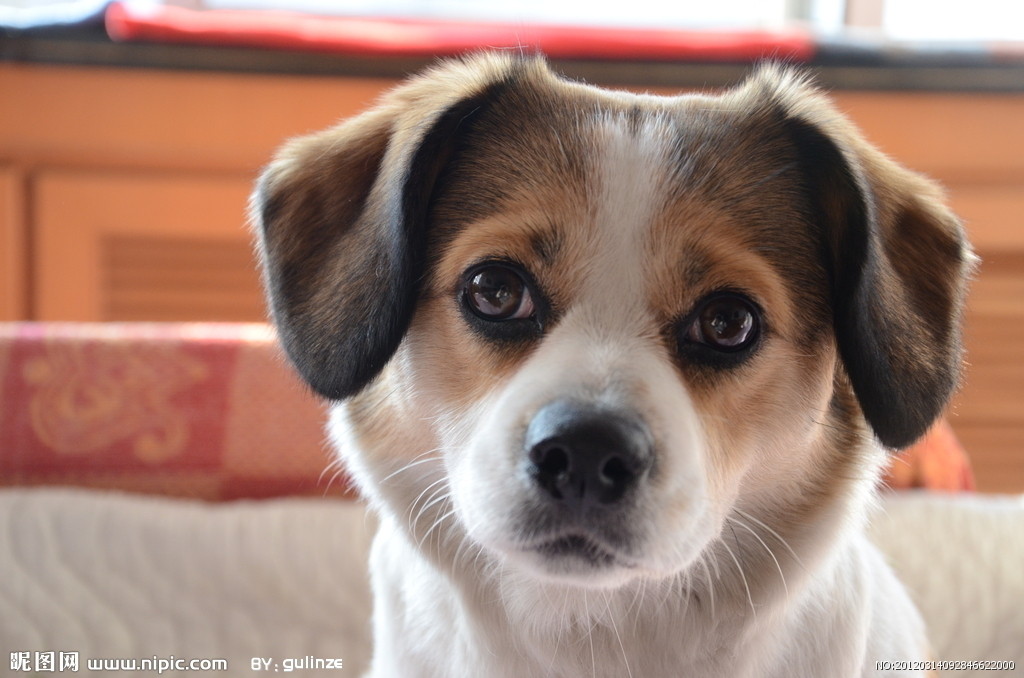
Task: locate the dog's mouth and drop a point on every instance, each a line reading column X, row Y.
column 578, row 547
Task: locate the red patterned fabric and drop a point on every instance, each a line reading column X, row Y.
column 207, row 411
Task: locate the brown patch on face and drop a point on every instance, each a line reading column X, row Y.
column 518, row 191
column 543, row 233
column 695, row 251
column 471, row 364
column 743, row 407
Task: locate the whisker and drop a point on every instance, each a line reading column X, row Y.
column 615, row 628
column 718, row 572
column 435, row 498
column 412, row 507
column 711, row 584
column 638, row 602
column 426, row 489
column 466, row 542
column 739, row 568
column 561, row 631
column 770, row 553
column 774, row 534
column 686, row 585
column 590, row 635
column 421, row 458
column 334, row 464
column 339, row 471
column 436, row 524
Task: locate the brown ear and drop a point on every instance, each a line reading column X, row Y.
column 340, row 218
column 899, row 263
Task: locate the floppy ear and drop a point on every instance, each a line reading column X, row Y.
column 899, row 263
column 340, row 219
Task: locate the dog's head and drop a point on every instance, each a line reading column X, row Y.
column 585, row 329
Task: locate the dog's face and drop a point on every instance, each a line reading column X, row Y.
column 632, row 330
column 590, row 332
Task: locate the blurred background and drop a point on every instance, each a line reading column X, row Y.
column 131, row 132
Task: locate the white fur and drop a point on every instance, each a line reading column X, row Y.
column 458, row 595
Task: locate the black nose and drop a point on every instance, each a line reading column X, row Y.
column 583, row 456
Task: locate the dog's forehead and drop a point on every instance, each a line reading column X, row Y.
column 548, row 142
column 684, row 181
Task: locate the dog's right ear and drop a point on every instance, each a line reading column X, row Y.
column 340, row 218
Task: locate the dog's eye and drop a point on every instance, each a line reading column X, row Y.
column 725, row 322
column 498, row 292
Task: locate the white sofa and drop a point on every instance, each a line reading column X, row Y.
column 124, row 576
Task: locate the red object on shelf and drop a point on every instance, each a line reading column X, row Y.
column 936, row 462
column 398, row 37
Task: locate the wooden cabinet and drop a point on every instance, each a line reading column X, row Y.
column 113, row 245
column 123, row 196
column 123, row 192
column 13, row 246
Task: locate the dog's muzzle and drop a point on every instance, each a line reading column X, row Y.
column 586, row 459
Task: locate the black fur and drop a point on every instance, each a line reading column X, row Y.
column 343, row 273
column 900, row 347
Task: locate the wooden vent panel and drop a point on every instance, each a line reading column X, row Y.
column 165, row 278
column 988, row 414
column 144, row 246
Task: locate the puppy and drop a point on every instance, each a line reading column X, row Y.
column 617, row 371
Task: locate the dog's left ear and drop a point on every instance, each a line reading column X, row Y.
column 898, row 261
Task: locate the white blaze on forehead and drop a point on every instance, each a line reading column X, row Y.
column 601, row 353
column 633, row 163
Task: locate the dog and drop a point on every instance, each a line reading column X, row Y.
column 617, row 372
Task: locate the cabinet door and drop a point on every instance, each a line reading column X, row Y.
column 121, row 246
column 988, row 415
column 13, row 250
